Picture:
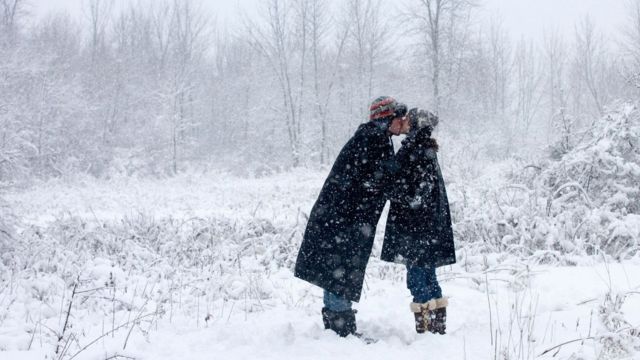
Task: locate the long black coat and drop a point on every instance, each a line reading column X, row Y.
column 342, row 223
column 418, row 230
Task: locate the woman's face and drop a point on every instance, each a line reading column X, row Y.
column 406, row 125
column 400, row 125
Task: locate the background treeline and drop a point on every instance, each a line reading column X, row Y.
column 157, row 87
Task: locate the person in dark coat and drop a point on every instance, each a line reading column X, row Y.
column 339, row 236
column 418, row 230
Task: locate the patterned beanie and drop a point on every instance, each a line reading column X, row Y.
column 382, row 107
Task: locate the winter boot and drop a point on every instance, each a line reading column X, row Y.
column 342, row 322
column 431, row 316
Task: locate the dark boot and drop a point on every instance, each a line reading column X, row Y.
column 430, row 316
column 421, row 322
column 438, row 323
column 421, row 312
column 342, row 322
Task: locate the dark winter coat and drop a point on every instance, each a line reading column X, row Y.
column 418, row 230
column 342, row 223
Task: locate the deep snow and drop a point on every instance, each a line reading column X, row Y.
column 500, row 307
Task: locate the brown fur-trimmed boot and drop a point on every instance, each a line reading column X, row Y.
column 431, row 316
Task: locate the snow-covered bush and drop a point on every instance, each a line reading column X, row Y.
column 597, row 183
column 617, row 337
column 136, row 266
column 612, row 336
column 585, row 201
column 7, row 233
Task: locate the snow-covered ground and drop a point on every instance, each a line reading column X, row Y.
column 199, row 267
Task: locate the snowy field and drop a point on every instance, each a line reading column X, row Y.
column 122, row 238
column 199, row 267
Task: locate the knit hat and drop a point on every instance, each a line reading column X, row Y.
column 420, row 118
column 386, row 107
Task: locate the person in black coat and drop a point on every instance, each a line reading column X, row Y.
column 418, row 230
column 339, row 236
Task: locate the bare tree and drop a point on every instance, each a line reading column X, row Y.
column 528, row 78
column 555, row 59
column 98, row 13
column 10, row 13
column 436, row 22
column 302, row 11
column 162, row 23
column 590, row 62
column 631, row 44
column 369, row 35
column 631, row 33
column 318, row 27
column 189, row 35
column 500, row 60
column 271, row 39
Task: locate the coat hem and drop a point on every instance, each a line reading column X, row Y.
column 325, row 286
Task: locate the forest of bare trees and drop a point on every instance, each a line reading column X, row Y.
column 158, row 87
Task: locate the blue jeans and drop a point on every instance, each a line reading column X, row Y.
column 335, row 302
column 422, row 283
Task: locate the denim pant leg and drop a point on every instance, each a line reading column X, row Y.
column 334, row 302
column 423, row 284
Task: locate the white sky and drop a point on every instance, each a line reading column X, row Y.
column 533, row 17
column 521, row 17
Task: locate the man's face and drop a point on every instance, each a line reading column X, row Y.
column 400, row 125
